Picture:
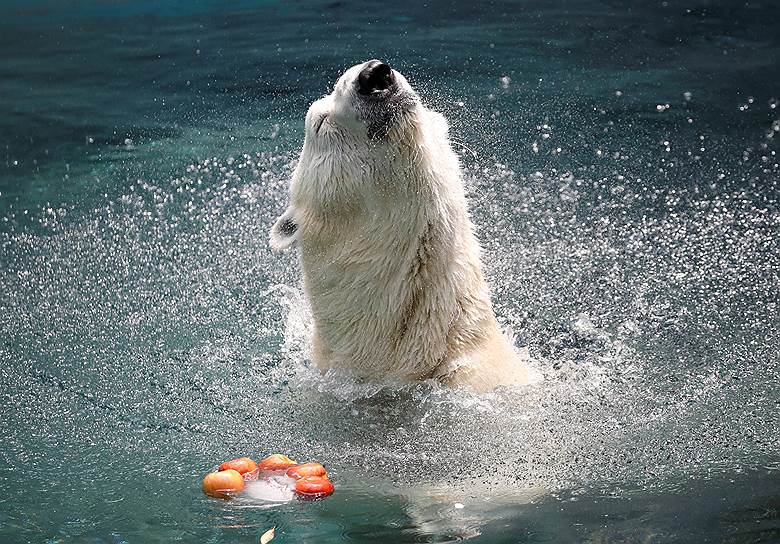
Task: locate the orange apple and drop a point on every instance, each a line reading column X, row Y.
column 276, row 461
column 223, row 484
column 307, row 469
column 313, row 487
column 244, row 465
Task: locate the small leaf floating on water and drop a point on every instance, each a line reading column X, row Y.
column 268, row 536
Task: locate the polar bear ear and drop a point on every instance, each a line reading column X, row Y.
column 284, row 232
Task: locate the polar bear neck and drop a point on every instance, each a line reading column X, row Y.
column 391, row 265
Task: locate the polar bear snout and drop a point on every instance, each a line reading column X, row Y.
column 375, row 77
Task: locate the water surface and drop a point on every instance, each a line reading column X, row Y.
column 622, row 170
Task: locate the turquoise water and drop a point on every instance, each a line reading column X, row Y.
column 623, row 175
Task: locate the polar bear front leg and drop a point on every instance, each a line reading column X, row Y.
column 284, row 232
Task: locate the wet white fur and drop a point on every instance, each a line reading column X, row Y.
column 390, row 262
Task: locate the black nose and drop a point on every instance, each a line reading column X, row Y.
column 375, row 76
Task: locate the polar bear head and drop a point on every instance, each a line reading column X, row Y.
column 361, row 137
column 365, row 103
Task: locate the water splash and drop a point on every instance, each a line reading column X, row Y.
column 158, row 334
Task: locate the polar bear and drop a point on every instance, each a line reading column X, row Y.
column 391, row 266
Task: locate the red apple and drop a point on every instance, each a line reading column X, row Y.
column 276, row 461
column 313, row 487
column 307, row 469
column 242, row 465
column 223, row 484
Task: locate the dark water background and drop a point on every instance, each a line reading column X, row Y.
column 623, row 174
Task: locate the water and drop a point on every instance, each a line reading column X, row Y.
column 623, row 174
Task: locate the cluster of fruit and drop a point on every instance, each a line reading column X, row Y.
column 310, row 480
